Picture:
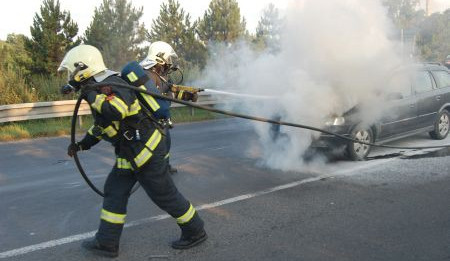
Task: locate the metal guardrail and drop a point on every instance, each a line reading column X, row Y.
column 56, row 109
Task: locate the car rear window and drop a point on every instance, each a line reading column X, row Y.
column 422, row 82
column 442, row 78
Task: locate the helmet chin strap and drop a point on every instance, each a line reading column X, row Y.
column 161, row 77
column 166, row 67
column 160, row 73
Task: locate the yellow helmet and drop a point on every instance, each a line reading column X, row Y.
column 159, row 53
column 82, row 62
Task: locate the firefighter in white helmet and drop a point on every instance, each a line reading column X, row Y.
column 161, row 57
column 161, row 61
column 140, row 149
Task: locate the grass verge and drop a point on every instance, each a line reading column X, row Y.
column 61, row 126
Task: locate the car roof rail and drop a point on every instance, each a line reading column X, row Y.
column 432, row 63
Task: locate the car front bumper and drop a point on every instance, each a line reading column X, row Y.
column 331, row 141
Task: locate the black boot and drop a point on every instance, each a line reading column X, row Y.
column 187, row 241
column 192, row 233
column 95, row 247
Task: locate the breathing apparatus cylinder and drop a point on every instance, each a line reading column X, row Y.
column 135, row 75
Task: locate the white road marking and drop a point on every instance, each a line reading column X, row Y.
column 79, row 237
column 72, row 185
column 45, row 245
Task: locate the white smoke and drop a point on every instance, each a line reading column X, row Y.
column 334, row 54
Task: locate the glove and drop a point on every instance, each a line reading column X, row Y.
column 187, row 96
column 194, row 97
column 67, row 89
column 73, row 147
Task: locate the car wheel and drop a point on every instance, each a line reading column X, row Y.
column 441, row 126
column 358, row 151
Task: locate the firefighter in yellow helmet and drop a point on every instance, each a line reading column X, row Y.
column 140, row 149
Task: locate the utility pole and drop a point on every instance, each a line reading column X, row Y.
column 402, row 44
column 427, row 7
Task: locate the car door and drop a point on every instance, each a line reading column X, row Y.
column 442, row 78
column 428, row 99
column 400, row 110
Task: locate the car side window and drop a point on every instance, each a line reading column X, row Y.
column 400, row 83
column 422, row 82
column 442, row 78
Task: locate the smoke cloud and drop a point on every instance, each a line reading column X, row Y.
column 334, row 54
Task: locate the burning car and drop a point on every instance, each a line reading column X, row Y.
column 421, row 103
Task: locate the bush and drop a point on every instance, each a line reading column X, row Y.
column 48, row 87
column 14, row 89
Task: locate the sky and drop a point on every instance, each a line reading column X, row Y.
column 16, row 16
column 436, row 5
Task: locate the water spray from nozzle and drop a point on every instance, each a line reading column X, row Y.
column 238, row 94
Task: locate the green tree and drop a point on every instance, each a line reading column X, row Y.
column 15, row 62
column 404, row 13
column 222, row 22
column 13, row 54
column 174, row 26
column 433, row 39
column 52, row 34
column 116, row 30
column 269, row 29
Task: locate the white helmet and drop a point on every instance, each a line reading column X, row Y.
column 82, row 62
column 159, row 53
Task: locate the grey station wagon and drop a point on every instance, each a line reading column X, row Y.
column 421, row 103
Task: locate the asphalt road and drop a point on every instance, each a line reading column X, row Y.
column 387, row 208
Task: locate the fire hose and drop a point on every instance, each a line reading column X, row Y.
column 215, row 110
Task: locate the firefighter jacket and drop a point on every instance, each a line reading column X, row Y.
column 120, row 120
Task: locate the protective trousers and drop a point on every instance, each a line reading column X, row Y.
column 155, row 179
column 168, row 140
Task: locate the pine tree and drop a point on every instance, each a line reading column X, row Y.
column 222, row 22
column 52, row 34
column 269, row 29
column 117, row 32
column 174, row 26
